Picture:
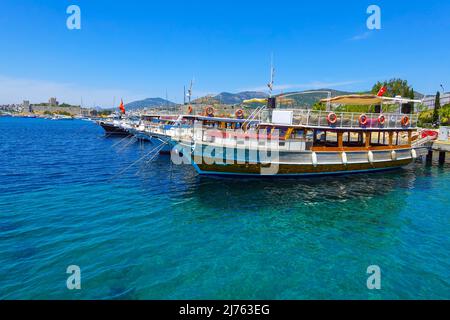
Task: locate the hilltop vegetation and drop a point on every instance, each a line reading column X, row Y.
column 230, row 98
column 397, row 87
column 302, row 99
column 149, row 103
column 305, row 99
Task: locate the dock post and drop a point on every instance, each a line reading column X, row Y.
column 441, row 158
column 429, row 157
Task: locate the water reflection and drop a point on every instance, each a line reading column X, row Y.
column 225, row 192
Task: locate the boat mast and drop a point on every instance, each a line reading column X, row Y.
column 271, row 101
column 190, row 90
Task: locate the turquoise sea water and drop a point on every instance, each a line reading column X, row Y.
column 160, row 231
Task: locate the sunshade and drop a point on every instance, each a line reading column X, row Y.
column 366, row 99
column 355, row 99
column 256, row 100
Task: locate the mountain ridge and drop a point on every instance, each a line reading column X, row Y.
column 149, row 103
column 230, row 98
column 299, row 97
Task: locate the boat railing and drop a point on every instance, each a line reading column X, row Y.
column 319, row 118
column 254, row 115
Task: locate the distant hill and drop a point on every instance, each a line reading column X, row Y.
column 230, row 98
column 304, row 99
column 300, row 98
column 308, row 99
column 237, row 98
column 149, row 103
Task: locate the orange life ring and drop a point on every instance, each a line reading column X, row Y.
column 381, row 119
column 363, row 119
column 405, row 121
column 190, row 109
column 239, row 113
column 332, row 118
column 209, row 111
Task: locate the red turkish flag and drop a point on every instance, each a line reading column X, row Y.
column 382, row 91
column 121, row 107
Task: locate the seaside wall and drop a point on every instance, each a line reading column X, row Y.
column 42, row 109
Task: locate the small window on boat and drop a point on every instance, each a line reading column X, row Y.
column 282, row 144
column 326, row 139
column 353, row 139
column 261, row 143
column 299, row 134
column 379, row 139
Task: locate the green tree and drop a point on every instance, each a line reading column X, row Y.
column 425, row 118
column 395, row 87
column 437, row 106
column 444, row 112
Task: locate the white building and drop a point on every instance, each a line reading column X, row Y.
column 428, row 101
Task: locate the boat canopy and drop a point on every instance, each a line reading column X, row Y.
column 219, row 119
column 256, row 100
column 365, row 99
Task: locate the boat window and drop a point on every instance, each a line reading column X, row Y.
column 299, row 135
column 326, row 139
column 282, row 132
column 379, row 139
column 353, row 139
column 402, row 138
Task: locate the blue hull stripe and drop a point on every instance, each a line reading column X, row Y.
column 218, row 173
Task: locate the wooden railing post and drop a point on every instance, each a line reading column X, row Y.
column 368, row 139
column 340, row 140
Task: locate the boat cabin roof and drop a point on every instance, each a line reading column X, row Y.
column 218, row 119
column 336, row 128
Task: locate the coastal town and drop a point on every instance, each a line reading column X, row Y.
column 54, row 107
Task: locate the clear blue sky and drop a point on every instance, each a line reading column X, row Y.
column 136, row 49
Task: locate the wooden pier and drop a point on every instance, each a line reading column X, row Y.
column 442, row 146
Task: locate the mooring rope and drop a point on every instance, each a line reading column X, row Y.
column 155, row 150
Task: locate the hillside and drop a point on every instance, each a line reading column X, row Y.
column 149, row 103
column 303, row 99
column 299, row 98
column 230, row 98
column 308, row 99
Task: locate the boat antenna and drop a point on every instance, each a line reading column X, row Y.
column 272, row 74
column 190, row 90
column 271, row 101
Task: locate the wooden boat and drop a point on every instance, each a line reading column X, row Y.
column 283, row 142
column 113, row 128
column 160, row 129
